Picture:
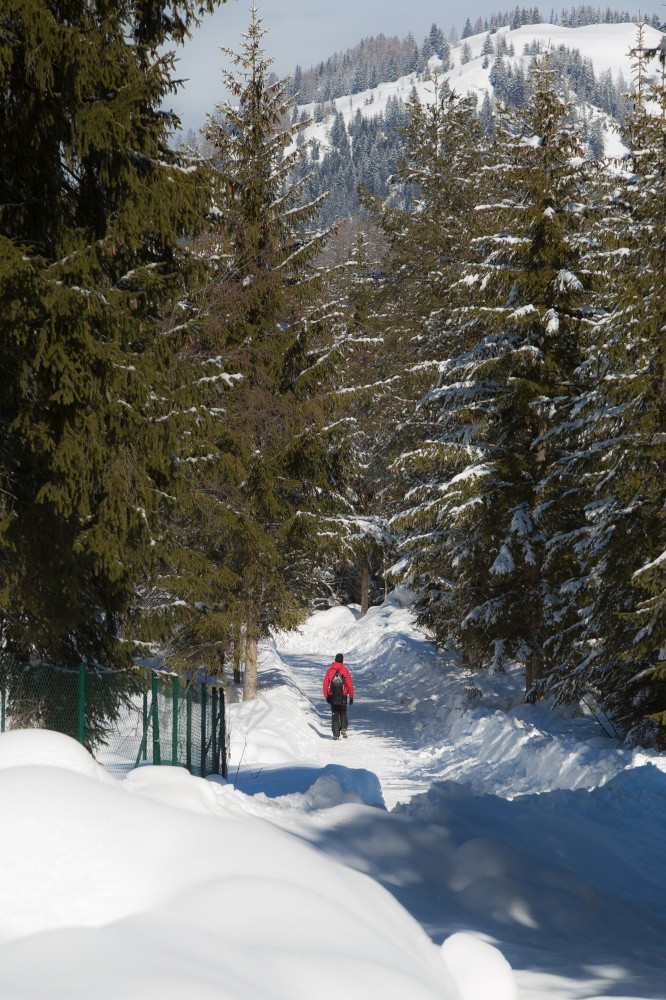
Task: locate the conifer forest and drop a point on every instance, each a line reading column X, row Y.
column 243, row 377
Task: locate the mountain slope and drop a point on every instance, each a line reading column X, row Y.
column 595, row 62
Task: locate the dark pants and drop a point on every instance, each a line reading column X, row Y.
column 338, row 718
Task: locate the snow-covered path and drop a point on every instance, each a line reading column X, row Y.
column 458, row 846
column 377, row 741
column 526, row 826
column 385, row 721
column 416, row 718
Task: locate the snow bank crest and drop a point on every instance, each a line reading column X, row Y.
column 479, row 970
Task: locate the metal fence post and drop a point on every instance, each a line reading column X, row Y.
column 174, row 721
column 143, row 746
column 188, row 728
column 203, row 730
column 81, row 727
column 157, row 759
column 222, row 739
column 3, row 707
column 215, row 760
column 143, row 751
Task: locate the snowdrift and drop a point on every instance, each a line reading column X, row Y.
column 162, row 886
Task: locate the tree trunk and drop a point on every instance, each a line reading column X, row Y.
column 660, row 739
column 236, row 659
column 529, row 676
column 534, row 664
column 250, row 672
column 365, row 588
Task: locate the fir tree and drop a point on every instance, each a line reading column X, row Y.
column 612, row 645
column 479, row 510
column 95, row 292
column 527, row 367
column 426, row 266
column 271, row 470
column 357, row 536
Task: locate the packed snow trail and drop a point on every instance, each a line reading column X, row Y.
column 515, row 822
column 382, row 735
column 416, row 718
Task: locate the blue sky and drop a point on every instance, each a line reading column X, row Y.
column 300, row 31
column 307, row 31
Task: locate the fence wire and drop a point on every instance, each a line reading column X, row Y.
column 125, row 718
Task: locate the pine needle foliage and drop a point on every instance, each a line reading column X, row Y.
column 94, row 288
column 353, row 365
column 431, row 267
column 614, row 647
column 270, row 469
column 484, row 589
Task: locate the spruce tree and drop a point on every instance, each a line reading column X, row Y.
column 527, row 366
column 356, row 374
column 269, row 470
column 424, row 284
column 486, row 463
column 94, row 290
column 612, row 644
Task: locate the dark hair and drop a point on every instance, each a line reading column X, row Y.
column 338, row 658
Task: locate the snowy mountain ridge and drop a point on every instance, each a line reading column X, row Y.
column 608, row 46
column 595, row 60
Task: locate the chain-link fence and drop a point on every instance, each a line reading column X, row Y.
column 124, row 717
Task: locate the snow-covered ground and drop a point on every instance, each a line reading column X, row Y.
column 608, row 46
column 459, row 845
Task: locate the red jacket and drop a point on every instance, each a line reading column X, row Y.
column 347, row 687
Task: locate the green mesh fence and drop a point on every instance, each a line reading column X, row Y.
column 125, row 718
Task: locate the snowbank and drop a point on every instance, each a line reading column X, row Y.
column 42, row 748
column 199, row 897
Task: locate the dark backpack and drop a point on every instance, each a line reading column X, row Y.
column 336, row 689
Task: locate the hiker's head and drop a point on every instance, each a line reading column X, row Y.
column 338, row 658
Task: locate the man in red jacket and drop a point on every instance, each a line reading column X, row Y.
column 338, row 686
